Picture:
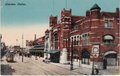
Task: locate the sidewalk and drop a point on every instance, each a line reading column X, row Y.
column 88, row 71
column 76, row 68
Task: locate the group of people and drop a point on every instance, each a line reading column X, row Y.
column 25, row 54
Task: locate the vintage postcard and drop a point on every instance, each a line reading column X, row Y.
column 60, row 37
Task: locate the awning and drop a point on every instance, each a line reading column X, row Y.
column 40, row 48
column 37, row 49
column 52, row 51
column 108, row 37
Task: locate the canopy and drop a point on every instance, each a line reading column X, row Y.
column 108, row 37
column 52, row 51
column 37, row 49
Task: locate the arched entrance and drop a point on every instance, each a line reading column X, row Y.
column 85, row 57
column 110, row 59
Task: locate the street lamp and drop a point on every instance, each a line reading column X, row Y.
column 93, row 66
column 95, row 51
column 71, row 65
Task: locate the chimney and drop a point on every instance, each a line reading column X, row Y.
column 35, row 37
column 87, row 13
column 117, row 12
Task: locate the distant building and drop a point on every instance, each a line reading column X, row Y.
column 36, row 47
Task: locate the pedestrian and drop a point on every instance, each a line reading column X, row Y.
column 96, row 70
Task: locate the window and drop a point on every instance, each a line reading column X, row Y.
column 78, row 39
column 85, row 39
column 108, row 39
column 108, row 24
column 66, row 26
column 76, row 27
column 75, row 40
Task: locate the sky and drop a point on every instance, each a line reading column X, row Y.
column 32, row 16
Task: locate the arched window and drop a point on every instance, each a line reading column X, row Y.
column 108, row 39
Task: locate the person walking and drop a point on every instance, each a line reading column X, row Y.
column 96, row 70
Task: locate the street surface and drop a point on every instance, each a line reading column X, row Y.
column 30, row 66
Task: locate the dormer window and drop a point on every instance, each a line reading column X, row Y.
column 108, row 24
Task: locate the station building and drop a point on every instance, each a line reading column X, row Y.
column 92, row 38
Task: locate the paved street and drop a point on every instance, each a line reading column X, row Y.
column 30, row 66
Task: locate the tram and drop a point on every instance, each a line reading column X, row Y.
column 10, row 57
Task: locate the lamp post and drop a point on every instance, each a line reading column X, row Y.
column 71, row 65
column 102, row 57
column 0, row 41
column 95, row 53
column 93, row 66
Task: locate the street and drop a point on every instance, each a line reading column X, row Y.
column 30, row 66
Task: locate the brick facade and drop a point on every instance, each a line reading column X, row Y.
column 96, row 29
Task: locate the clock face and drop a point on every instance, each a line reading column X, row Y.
column 95, row 50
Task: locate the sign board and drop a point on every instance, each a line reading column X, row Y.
column 95, row 50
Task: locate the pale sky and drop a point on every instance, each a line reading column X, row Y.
column 33, row 17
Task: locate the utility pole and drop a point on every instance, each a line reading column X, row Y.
column 93, row 66
column 0, row 42
column 22, row 47
column 35, row 48
column 71, row 65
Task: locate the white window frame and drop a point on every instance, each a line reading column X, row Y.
column 108, row 24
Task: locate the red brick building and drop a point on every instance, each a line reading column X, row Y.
column 96, row 33
column 38, row 41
